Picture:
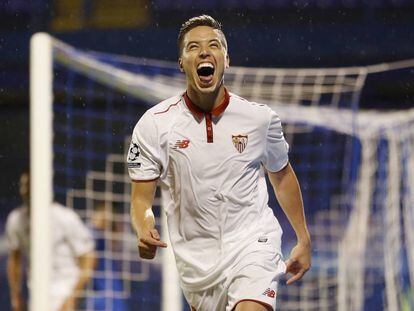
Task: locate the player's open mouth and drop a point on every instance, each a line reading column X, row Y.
column 205, row 72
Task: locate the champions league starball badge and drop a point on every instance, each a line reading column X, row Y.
column 133, row 156
column 133, row 152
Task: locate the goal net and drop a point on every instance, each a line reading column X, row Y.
column 356, row 169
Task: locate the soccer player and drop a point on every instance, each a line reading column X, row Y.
column 211, row 148
column 73, row 255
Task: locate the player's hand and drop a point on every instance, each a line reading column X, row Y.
column 299, row 262
column 68, row 305
column 148, row 242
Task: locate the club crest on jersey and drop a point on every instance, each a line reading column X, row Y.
column 239, row 142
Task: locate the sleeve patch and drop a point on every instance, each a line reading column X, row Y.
column 134, row 165
column 134, row 152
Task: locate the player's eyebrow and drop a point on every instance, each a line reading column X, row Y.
column 215, row 40
column 190, row 42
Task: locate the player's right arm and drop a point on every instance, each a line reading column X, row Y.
column 142, row 218
column 145, row 165
column 14, row 275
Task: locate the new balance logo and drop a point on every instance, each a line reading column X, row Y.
column 181, row 144
column 269, row 293
column 262, row 239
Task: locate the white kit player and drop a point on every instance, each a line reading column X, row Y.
column 73, row 255
column 211, row 149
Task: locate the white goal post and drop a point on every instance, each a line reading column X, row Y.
column 41, row 100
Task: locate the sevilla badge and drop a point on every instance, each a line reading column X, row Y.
column 240, row 142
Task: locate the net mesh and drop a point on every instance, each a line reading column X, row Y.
column 90, row 131
column 356, row 171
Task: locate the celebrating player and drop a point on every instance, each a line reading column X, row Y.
column 211, row 148
column 72, row 249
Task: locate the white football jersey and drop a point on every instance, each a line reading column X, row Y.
column 213, row 164
column 70, row 239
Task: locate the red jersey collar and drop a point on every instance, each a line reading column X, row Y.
column 215, row 112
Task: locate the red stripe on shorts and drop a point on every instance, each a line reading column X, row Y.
column 267, row 306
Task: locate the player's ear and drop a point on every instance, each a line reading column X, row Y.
column 227, row 65
column 180, row 64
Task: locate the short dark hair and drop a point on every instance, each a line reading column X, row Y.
column 202, row 20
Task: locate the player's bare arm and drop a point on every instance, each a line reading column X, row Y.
column 288, row 194
column 142, row 218
column 14, row 274
column 86, row 263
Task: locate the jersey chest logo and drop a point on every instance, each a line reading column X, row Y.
column 269, row 293
column 239, row 142
column 181, row 144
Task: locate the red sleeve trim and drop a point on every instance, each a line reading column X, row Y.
column 264, row 304
column 144, row 180
column 166, row 110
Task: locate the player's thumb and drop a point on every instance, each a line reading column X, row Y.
column 288, row 264
column 155, row 234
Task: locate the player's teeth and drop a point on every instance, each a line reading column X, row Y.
column 202, row 65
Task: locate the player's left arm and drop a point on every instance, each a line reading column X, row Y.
column 86, row 264
column 288, row 194
column 15, row 276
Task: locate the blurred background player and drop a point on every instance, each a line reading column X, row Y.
column 211, row 148
column 73, row 256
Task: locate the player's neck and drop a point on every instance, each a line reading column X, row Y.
column 206, row 101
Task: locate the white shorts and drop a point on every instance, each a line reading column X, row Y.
column 61, row 289
column 253, row 278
